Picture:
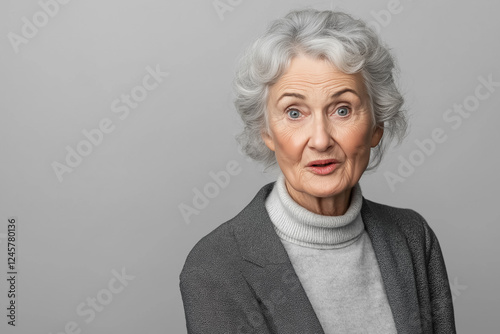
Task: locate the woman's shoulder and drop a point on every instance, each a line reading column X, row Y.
column 213, row 250
column 220, row 248
column 396, row 214
column 408, row 222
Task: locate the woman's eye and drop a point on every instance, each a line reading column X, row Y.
column 293, row 113
column 343, row 111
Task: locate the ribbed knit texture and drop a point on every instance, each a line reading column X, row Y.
column 335, row 262
column 300, row 226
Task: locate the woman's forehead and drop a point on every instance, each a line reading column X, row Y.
column 306, row 74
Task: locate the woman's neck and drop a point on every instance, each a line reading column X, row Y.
column 335, row 205
column 297, row 224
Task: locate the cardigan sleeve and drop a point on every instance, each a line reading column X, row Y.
column 435, row 304
column 214, row 304
column 216, row 297
column 443, row 320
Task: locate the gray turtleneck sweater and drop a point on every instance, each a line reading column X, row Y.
column 335, row 262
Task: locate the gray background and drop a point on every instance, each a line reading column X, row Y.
column 120, row 207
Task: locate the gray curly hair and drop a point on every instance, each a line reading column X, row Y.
column 349, row 44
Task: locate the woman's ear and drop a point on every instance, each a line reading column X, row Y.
column 377, row 135
column 268, row 140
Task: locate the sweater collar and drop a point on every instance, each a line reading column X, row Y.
column 298, row 225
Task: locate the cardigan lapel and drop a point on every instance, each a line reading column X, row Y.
column 268, row 270
column 396, row 267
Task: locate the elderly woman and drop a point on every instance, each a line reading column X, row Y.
column 310, row 254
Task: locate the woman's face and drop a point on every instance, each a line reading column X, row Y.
column 321, row 129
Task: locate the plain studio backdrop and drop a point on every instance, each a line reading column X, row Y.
column 118, row 153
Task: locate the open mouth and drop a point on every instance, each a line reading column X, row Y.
column 323, row 167
column 322, row 163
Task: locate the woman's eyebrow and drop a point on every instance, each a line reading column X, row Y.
column 336, row 94
column 343, row 91
column 297, row 95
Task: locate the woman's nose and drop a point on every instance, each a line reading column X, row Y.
column 320, row 136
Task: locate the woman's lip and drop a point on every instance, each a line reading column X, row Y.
column 323, row 169
column 315, row 163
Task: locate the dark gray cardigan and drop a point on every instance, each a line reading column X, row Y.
column 239, row 279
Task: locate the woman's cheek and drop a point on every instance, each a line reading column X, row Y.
column 357, row 133
column 287, row 133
